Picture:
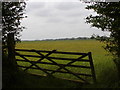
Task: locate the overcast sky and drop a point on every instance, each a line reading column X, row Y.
column 57, row 19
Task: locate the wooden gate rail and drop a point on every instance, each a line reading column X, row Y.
column 73, row 53
column 89, row 75
column 61, row 66
column 54, row 64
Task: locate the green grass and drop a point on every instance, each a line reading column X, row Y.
column 104, row 66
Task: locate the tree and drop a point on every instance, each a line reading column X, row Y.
column 12, row 13
column 108, row 19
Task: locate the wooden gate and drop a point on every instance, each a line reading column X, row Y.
column 53, row 58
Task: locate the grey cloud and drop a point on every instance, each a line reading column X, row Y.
column 44, row 13
column 72, row 9
column 74, row 14
column 47, row 11
column 64, row 20
column 68, row 5
column 32, row 6
column 67, row 9
column 74, row 21
column 52, row 14
column 54, row 20
column 80, row 12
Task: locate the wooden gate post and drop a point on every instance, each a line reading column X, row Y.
column 92, row 67
column 11, row 51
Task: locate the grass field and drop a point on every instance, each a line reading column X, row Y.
column 104, row 66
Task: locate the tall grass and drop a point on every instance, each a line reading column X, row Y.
column 105, row 68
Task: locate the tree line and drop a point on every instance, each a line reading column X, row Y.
column 73, row 38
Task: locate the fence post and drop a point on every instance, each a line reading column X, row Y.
column 11, row 51
column 92, row 67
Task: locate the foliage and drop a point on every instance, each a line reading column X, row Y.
column 107, row 19
column 12, row 13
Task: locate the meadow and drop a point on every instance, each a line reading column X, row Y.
column 105, row 68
